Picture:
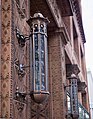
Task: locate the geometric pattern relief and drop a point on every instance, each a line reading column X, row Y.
column 21, row 7
column 6, row 58
column 40, row 111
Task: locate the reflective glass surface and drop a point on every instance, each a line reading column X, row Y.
column 83, row 114
column 37, row 76
column 42, row 63
column 39, row 62
column 68, row 104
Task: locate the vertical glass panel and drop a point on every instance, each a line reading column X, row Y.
column 68, row 104
column 43, row 82
column 37, row 75
column 42, row 63
column 86, row 116
column 80, row 113
column 46, row 61
column 83, row 114
column 74, row 97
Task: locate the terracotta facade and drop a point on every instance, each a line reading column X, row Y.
column 66, row 55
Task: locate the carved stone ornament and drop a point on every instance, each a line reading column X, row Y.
column 72, row 68
column 21, row 8
column 20, row 106
column 39, row 111
column 81, row 87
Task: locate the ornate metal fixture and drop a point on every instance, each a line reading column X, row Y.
column 38, row 25
column 38, row 57
column 20, row 68
column 20, row 96
column 21, row 38
column 74, row 96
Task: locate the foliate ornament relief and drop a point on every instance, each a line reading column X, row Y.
column 20, row 106
column 19, row 110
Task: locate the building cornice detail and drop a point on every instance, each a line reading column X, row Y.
column 76, row 10
column 55, row 12
column 74, row 6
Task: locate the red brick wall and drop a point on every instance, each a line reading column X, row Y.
column 56, row 77
column 0, row 57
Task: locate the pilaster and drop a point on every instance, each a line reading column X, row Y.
column 6, row 81
column 56, row 76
